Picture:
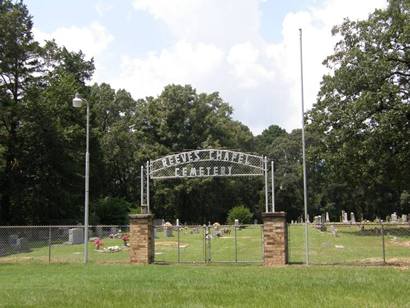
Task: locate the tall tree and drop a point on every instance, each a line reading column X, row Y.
column 18, row 62
column 363, row 112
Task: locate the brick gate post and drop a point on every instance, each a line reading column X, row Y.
column 141, row 239
column 275, row 239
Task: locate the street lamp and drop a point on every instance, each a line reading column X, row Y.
column 77, row 103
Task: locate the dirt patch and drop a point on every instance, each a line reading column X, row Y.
column 170, row 244
column 402, row 263
column 400, row 243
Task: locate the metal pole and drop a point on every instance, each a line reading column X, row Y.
column 209, row 246
column 304, row 154
column 383, row 245
column 266, row 186
column 142, row 186
column 87, row 176
column 49, row 244
column 273, row 186
column 179, row 257
column 205, row 235
column 236, row 247
column 262, row 244
column 148, row 209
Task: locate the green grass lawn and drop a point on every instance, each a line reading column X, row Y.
column 122, row 285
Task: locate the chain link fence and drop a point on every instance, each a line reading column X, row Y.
column 63, row 244
column 329, row 243
column 206, row 244
column 351, row 244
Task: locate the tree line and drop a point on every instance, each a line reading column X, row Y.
column 357, row 134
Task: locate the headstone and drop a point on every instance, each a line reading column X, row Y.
column 403, row 218
column 327, row 217
column 333, row 230
column 216, row 226
column 352, row 218
column 168, row 229
column 236, row 222
column 345, row 220
column 76, row 236
column 255, row 221
column 394, row 217
column 308, row 219
column 177, row 222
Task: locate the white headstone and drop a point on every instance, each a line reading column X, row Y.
column 345, row 220
column 236, row 222
column 403, row 218
column 177, row 222
column 327, row 217
column 76, row 236
column 352, row 218
column 394, row 217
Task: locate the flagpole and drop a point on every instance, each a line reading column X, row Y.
column 304, row 154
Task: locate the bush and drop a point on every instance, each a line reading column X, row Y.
column 112, row 211
column 243, row 214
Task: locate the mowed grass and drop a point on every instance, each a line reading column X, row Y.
column 351, row 245
column 121, row 285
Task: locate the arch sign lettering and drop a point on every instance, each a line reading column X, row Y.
column 205, row 163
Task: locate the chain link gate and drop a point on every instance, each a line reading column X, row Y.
column 230, row 243
column 209, row 244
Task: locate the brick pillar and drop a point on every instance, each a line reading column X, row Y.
column 275, row 239
column 141, row 239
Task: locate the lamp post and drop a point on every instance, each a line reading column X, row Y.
column 77, row 103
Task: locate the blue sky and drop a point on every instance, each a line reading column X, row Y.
column 245, row 49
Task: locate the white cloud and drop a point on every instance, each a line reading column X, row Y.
column 93, row 40
column 316, row 24
column 103, row 8
column 183, row 63
column 244, row 60
column 218, row 47
column 218, row 22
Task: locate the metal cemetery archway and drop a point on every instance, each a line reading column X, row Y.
column 205, row 163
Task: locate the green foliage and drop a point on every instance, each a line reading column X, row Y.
column 112, row 211
column 357, row 134
column 243, row 214
column 362, row 114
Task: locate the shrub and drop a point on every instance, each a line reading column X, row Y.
column 243, row 214
column 112, row 211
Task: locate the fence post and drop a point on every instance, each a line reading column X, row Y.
column 205, row 235
column 179, row 258
column 49, row 244
column 236, row 246
column 383, row 245
column 262, row 245
column 209, row 246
